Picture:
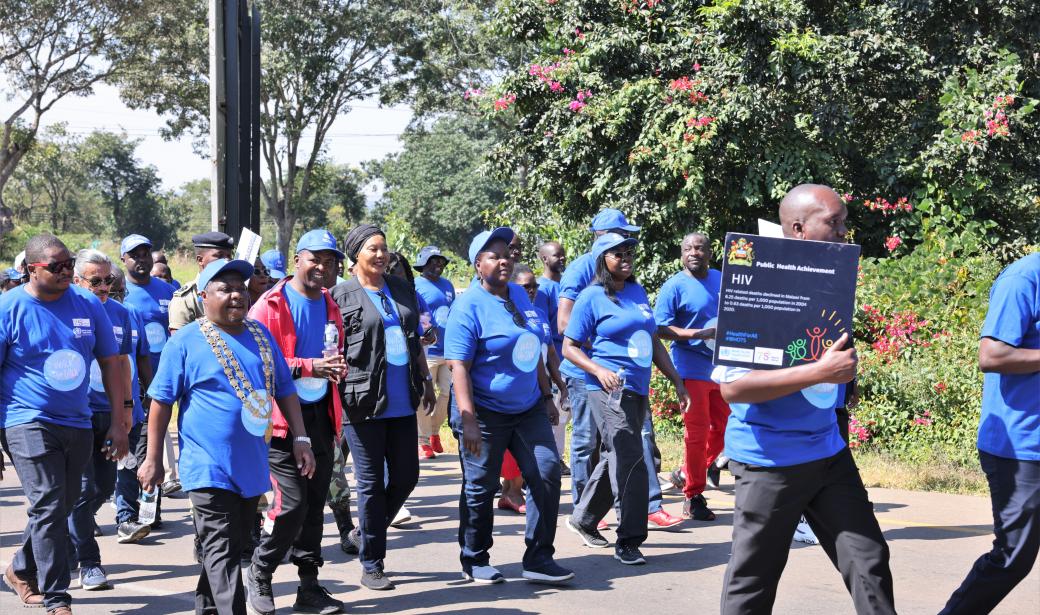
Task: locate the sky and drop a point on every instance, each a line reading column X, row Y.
column 366, row 132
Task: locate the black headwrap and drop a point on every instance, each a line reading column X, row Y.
column 357, row 238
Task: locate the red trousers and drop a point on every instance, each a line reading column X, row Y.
column 704, row 430
column 510, row 469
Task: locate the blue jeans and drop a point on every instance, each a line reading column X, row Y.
column 128, row 490
column 49, row 460
column 98, row 481
column 376, row 445
column 1014, row 490
column 529, row 437
column 584, row 437
column 649, row 453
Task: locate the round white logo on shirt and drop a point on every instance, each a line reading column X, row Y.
column 156, row 334
column 64, row 370
column 396, row 347
column 710, row 343
column 441, row 315
column 640, row 348
column 257, row 415
column 96, row 383
column 526, row 352
column 310, row 389
column 823, row 395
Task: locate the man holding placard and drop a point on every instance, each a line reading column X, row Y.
column 787, row 454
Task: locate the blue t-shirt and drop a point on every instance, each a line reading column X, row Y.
column 797, row 428
column 503, row 356
column 152, row 301
column 1010, row 422
column 122, row 330
column 621, row 333
column 309, row 318
column 139, row 344
column 175, row 284
column 399, row 400
column 438, row 296
column 690, row 303
column 546, row 334
column 548, row 300
column 222, row 444
column 45, row 352
column 578, row 275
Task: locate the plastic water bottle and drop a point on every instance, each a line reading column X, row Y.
column 146, row 507
column 331, row 340
column 128, row 462
column 614, row 400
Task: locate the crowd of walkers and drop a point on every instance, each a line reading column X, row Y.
column 277, row 378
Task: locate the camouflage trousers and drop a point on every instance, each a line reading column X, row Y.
column 339, row 486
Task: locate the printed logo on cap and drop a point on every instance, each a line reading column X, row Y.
column 396, row 347
column 156, row 334
column 526, row 352
column 64, row 370
column 640, row 348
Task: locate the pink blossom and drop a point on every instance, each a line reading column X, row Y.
column 576, row 105
column 696, row 67
column 567, row 51
column 578, row 33
column 473, row 93
column 505, row 101
column 584, row 95
column 893, row 242
column 846, row 197
column 556, row 87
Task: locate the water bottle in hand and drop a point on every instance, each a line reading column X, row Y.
column 146, row 506
column 331, row 340
column 614, row 400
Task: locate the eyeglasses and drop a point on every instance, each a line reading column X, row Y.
column 626, row 255
column 261, row 271
column 518, row 318
column 107, row 281
column 385, row 301
column 57, row 267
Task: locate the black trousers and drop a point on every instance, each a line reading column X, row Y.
column 620, row 478
column 769, row 503
column 1014, row 490
column 298, row 509
column 223, row 520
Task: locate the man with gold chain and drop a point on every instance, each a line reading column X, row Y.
column 223, row 370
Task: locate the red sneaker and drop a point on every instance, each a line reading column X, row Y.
column 661, row 520
column 506, row 504
column 435, row 443
column 602, row 525
column 426, row 452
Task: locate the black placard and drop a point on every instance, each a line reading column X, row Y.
column 783, row 301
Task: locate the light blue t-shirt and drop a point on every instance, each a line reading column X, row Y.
column 797, row 428
column 548, row 300
column 578, row 275
column 152, row 302
column 399, row 400
column 1010, row 423
column 503, row 356
column 438, row 296
column 309, row 318
column 45, row 352
column 546, row 334
column 621, row 333
column 690, row 303
column 222, row 443
column 122, row 330
column 139, row 344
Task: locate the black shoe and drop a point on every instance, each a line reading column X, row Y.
column 170, row 487
column 565, row 470
column 592, row 538
column 259, row 596
column 316, row 599
column 345, row 525
column 131, row 531
column 376, row 580
column 157, row 524
column 628, row 555
column 696, row 508
column 714, row 474
column 677, row 480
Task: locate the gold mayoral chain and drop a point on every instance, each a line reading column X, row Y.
column 250, row 398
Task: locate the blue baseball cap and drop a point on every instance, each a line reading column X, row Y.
column 275, row 263
column 132, row 241
column 609, row 241
column 426, row 254
column 13, row 274
column 484, row 238
column 316, row 240
column 611, row 219
column 212, row 270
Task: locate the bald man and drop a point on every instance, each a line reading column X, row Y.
column 788, row 456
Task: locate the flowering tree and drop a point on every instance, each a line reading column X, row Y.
column 691, row 114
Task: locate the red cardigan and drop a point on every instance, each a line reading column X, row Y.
column 272, row 309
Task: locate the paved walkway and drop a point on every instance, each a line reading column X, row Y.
column 934, row 538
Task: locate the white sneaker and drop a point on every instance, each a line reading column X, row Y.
column 805, row 534
column 402, row 517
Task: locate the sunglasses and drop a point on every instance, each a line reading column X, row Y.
column 57, row 267
column 625, row 255
column 518, row 318
column 385, row 301
column 106, row 281
column 261, row 272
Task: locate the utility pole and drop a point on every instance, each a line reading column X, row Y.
column 234, row 97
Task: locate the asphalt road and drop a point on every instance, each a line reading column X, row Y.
column 934, row 539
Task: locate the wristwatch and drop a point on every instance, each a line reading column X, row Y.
column 428, row 378
column 306, row 440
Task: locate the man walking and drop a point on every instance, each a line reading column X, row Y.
column 554, row 262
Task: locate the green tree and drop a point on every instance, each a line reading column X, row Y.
column 191, row 205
